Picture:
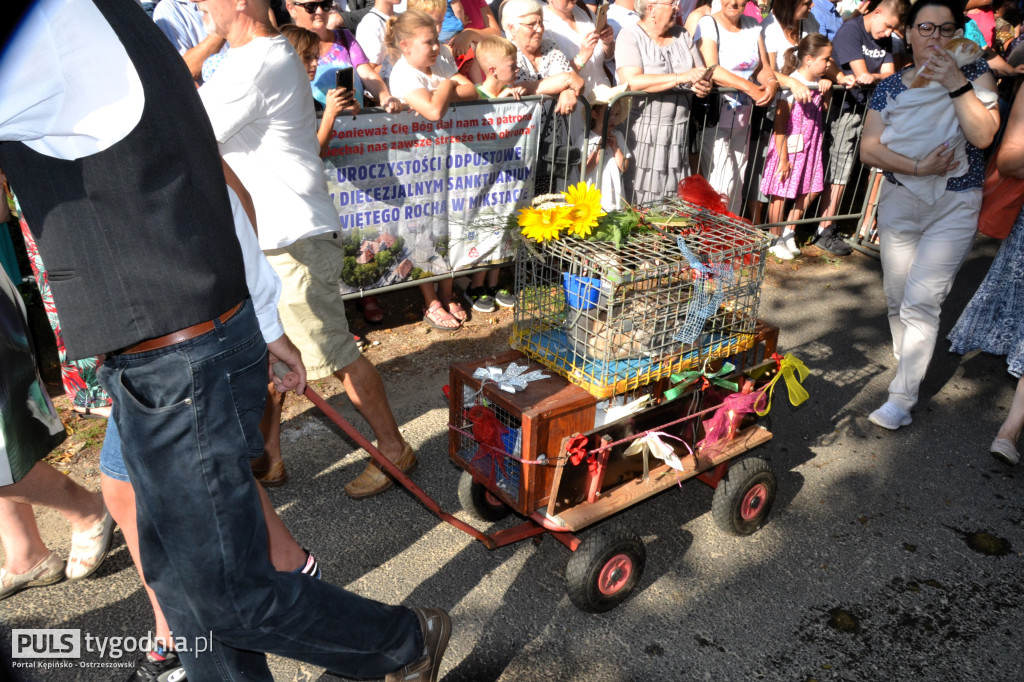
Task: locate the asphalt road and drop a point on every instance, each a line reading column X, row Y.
column 872, row 565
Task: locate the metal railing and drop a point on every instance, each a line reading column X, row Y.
column 665, row 141
column 739, row 140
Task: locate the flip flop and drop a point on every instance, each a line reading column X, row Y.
column 436, row 308
column 370, row 309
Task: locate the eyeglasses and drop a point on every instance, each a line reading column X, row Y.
column 673, row 5
column 311, row 7
column 927, row 28
column 533, row 26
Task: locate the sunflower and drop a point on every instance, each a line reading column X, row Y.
column 584, row 207
column 542, row 225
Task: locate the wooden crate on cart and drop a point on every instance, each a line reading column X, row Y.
column 530, row 426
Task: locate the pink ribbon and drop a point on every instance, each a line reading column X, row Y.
column 729, row 414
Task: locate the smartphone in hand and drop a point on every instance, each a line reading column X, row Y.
column 344, row 78
column 601, row 20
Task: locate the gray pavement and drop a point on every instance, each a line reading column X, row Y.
column 865, row 570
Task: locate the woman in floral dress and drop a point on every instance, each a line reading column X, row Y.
column 994, row 319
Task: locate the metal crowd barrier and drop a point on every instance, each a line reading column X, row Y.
column 665, row 138
column 664, row 142
column 743, row 143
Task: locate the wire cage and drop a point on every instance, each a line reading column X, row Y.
column 498, row 462
column 611, row 320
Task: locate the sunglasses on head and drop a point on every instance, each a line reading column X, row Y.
column 310, row 7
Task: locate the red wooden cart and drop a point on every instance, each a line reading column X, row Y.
column 549, row 464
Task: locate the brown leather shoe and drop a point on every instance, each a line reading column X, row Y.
column 437, row 628
column 373, row 481
column 272, row 477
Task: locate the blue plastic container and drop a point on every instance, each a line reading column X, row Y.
column 581, row 293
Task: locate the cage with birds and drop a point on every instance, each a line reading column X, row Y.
column 638, row 296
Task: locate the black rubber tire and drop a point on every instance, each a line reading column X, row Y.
column 744, row 496
column 597, row 559
column 477, row 501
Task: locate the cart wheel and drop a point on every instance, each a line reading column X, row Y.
column 605, row 569
column 478, row 500
column 744, row 496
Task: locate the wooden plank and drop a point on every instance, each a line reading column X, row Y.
column 559, row 466
column 660, row 479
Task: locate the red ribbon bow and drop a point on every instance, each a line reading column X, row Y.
column 576, row 448
column 487, row 431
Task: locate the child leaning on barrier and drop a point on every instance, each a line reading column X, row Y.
column 424, row 74
column 425, row 78
column 496, row 57
column 608, row 176
column 794, row 168
column 339, row 100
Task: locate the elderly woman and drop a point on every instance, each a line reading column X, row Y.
column 656, row 55
column 542, row 68
column 926, row 237
column 571, row 28
column 731, row 41
column 338, row 49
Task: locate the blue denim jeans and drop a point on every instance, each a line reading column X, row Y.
column 188, row 416
column 111, row 459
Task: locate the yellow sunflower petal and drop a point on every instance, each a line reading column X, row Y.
column 585, row 208
column 543, row 225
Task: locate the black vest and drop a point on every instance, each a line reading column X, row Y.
column 138, row 239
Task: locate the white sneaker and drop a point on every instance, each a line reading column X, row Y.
column 890, row 416
column 790, row 242
column 1003, row 450
column 780, row 251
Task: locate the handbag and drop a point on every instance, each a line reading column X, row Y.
column 704, row 112
column 1001, row 201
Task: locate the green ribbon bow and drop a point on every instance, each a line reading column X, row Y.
column 682, row 380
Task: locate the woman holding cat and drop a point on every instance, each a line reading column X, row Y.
column 923, row 244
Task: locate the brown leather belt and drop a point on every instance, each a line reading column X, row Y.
column 181, row 335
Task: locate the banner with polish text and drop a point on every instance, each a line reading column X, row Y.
column 417, row 198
